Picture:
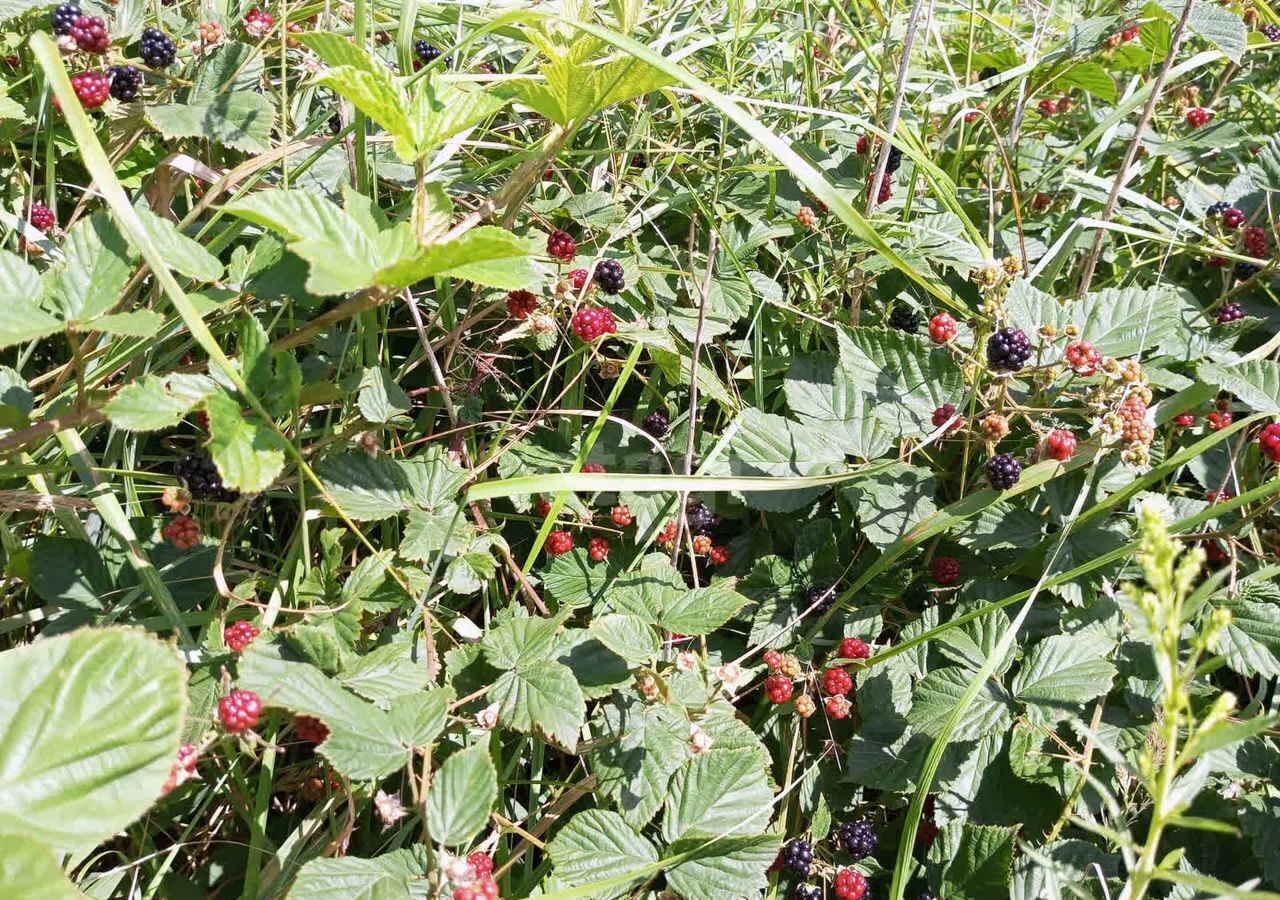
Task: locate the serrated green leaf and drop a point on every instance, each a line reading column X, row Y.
column 1091, row 78
column 96, row 265
column 249, row 454
column 153, row 403
column 1250, row 643
column 369, row 488
column 628, row 636
column 89, row 726
column 487, row 255
column 596, row 845
column 903, row 377
column 379, row 95
column 29, row 870
column 226, row 67
column 1217, row 25
column 718, row 792
column 981, row 867
column 461, row 795
column 241, row 120
column 137, row 323
column 892, row 503
column 380, row 398
column 364, row 742
column 22, row 318
column 439, row 110
column 385, row 673
column 765, row 444
column 541, row 695
column 1119, row 322
column 641, row 746
column 722, row 866
column 820, row 393
column 937, row 695
column 1064, row 671
column 1256, row 382
column 398, row 875
column 180, row 253
column 702, row 610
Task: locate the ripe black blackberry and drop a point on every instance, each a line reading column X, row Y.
column 858, row 839
column 609, row 276
column 895, row 160
column 823, row 593
column 797, row 856
column 1008, row 350
column 126, row 82
column 1218, row 208
column 1244, row 271
column 426, row 52
column 988, row 72
column 64, row 16
column 156, row 48
column 806, row 892
column 926, row 894
column 904, row 318
column 701, row 520
column 657, row 423
column 1003, row 471
column 201, row 477
column 335, row 123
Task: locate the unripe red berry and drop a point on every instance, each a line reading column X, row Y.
column 837, row 707
column 561, row 246
column 1269, row 441
column 805, row 707
column 598, row 548
column 239, row 635
column 1232, row 217
column 1060, row 444
column 41, row 217
column 854, row 648
column 521, row 303
column 772, row 659
column 1255, row 241
column 779, row 688
column 945, row 412
column 621, row 515
column 806, row 217
column 836, row 681
column 258, row 22
column 542, row 507
column 1048, row 106
column 1184, row 420
column 1219, row 419
column 481, row 863
column 850, row 885
column 945, row 569
column 559, row 542
column 1083, row 357
column 1198, row 116
column 593, row 468
column 942, row 328
column 702, row 544
column 719, row 554
column 667, row 534
column 183, row 532
column 591, row 322
column 579, row 279
column 239, row 711
column 92, row 88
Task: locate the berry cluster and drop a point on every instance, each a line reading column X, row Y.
column 1083, row 357
column 1008, row 350
column 591, row 322
column 183, row 532
column 903, row 318
column 521, row 303
column 559, row 542
column 1060, row 444
column 797, row 856
column 64, row 16
column 90, row 34
column 853, row 648
column 561, row 246
column 609, row 276
column 426, row 52
column 201, row 477
column 310, row 729
column 239, row 711
column 126, row 83
column 1198, row 116
column 183, row 768
column 239, row 635
column 92, row 88
column 945, row 570
column 657, row 423
column 41, row 217
column 1003, row 471
column 1269, row 441
column 858, row 839
column 156, row 48
column 258, row 22
column 942, row 328
column 850, row 885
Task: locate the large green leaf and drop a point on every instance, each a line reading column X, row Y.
column 380, row 96
column 180, row 253
column 380, row 398
column 765, row 444
column 461, row 795
column 248, row 452
column 486, row 255
column 821, row 392
column 368, row 487
column 1119, row 321
column 364, row 741
column 22, row 317
column 1064, row 671
column 903, row 377
column 97, row 263
column 241, row 120
column 893, row 502
column 596, row 845
column 641, row 746
column 89, row 727
column 29, row 870
column 541, row 695
column 718, row 792
column 439, row 110
column 718, row 866
column 980, row 869
column 702, row 610
column 153, row 402
column 398, row 875
column 1256, row 382
column 936, row 696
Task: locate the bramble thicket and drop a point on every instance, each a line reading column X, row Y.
column 639, row 450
